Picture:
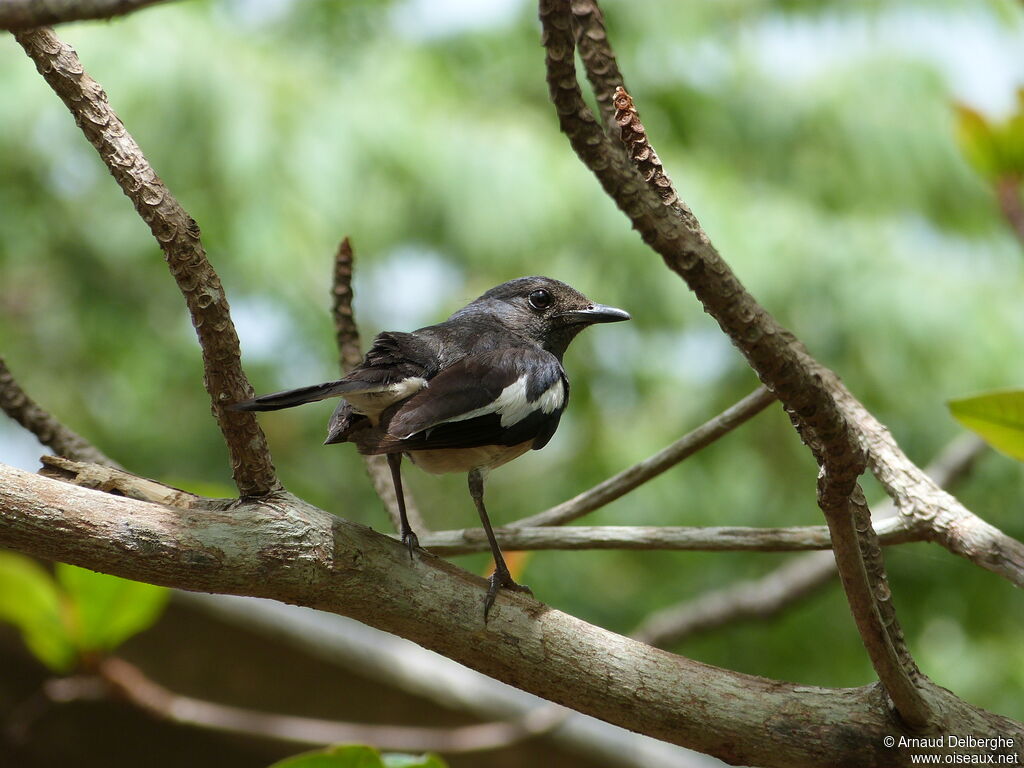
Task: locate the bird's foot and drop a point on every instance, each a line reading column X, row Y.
column 411, row 542
column 501, row 580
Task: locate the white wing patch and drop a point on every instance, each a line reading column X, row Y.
column 513, row 406
column 371, row 402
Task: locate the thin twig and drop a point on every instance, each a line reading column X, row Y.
column 614, row 487
column 24, row 14
column 677, row 538
column 761, row 598
column 115, row 480
column 16, row 403
column 130, row 683
column 799, row 577
column 178, row 237
column 1007, row 191
column 350, row 355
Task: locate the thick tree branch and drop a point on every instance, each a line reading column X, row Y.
column 891, row 530
column 350, row 354
column 24, row 14
column 284, row 549
column 23, row 409
column 178, row 237
column 618, row 485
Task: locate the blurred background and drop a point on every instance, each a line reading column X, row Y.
column 816, row 141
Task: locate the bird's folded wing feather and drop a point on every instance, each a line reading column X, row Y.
column 496, row 398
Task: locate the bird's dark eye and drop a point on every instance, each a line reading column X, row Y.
column 540, row 299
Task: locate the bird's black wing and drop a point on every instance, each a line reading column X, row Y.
column 394, row 357
column 501, row 397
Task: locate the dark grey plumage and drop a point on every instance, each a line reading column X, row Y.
column 465, row 395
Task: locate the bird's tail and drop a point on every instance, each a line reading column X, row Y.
column 292, row 397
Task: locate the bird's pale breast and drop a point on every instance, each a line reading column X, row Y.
column 444, row 460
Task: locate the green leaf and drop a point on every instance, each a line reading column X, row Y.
column 997, row 416
column 396, row 760
column 357, row 756
column 346, row 756
column 31, row 601
column 978, row 141
column 996, row 150
column 107, row 610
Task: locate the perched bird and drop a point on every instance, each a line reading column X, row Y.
column 465, row 395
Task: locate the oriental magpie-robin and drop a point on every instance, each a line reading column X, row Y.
column 465, row 395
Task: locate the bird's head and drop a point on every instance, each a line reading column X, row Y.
column 543, row 310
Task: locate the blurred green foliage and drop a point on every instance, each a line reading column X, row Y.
column 815, row 141
column 73, row 615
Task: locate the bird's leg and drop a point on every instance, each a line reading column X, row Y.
column 501, row 578
column 408, row 537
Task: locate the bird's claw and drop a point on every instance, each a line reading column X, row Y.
column 411, row 542
column 498, row 581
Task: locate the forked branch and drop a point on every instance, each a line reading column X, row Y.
column 805, row 387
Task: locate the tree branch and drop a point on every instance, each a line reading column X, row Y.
column 126, row 681
column 24, row 14
column 1007, row 189
column 598, row 59
column 397, row 662
column 805, row 387
column 625, row 481
column 680, row 538
column 670, row 228
column 16, row 403
column 284, row 549
column 350, row 355
column 859, row 562
column 761, row 598
column 350, row 352
column 178, row 237
column 925, row 507
column 772, row 593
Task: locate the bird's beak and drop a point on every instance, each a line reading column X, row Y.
column 596, row 313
